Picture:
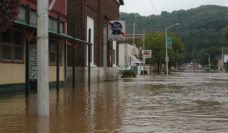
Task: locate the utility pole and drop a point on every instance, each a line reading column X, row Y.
column 134, row 31
column 166, row 49
column 209, row 62
column 166, row 54
column 143, row 49
column 177, row 62
column 222, row 60
column 222, row 55
column 42, row 58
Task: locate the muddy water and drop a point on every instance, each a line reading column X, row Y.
column 180, row 103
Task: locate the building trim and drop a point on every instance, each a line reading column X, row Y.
column 121, row 2
column 61, row 35
column 21, row 86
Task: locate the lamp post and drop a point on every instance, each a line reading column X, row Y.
column 166, row 51
column 209, row 61
column 134, row 31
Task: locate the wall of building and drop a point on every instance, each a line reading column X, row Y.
column 14, row 73
column 132, row 52
column 122, row 54
column 101, row 11
column 97, row 74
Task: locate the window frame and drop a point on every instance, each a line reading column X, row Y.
column 55, row 43
column 12, row 44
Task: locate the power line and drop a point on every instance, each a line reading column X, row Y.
column 153, row 5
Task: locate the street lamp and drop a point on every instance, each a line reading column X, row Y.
column 134, row 31
column 166, row 51
column 209, row 61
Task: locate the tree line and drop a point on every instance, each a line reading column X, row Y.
column 202, row 31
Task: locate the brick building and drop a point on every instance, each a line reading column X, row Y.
column 94, row 15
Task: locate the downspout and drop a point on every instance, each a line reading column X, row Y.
column 100, row 37
column 27, row 88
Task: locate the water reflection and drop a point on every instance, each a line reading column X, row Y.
column 43, row 125
column 181, row 103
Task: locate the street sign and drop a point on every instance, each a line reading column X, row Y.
column 225, row 58
column 169, row 42
column 147, row 53
column 116, row 30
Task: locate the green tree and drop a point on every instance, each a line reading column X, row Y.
column 225, row 32
column 199, row 27
column 9, row 10
column 155, row 41
column 214, row 52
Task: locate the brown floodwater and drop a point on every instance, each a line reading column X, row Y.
column 180, row 103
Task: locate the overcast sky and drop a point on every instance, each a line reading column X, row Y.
column 148, row 7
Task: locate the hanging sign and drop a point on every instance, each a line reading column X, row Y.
column 33, row 62
column 147, row 53
column 116, row 30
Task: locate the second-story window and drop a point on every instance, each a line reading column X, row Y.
column 12, row 46
column 53, row 53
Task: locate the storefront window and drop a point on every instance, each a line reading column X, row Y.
column 12, row 46
column 53, row 54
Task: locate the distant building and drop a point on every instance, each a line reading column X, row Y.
column 129, row 55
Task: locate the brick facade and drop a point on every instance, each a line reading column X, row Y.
column 101, row 11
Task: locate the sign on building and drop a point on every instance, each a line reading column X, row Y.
column 33, row 62
column 116, row 30
column 225, row 58
column 147, row 53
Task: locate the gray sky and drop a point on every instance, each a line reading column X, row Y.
column 148, row 7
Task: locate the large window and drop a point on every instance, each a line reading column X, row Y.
column 12, row 46
column 21, row 15
column 53, row 24
column 53, row 53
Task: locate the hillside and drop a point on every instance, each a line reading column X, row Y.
column 200, row 27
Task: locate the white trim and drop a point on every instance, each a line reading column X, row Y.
column 114, row 48
column 90, row 25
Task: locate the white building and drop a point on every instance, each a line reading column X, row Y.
column 129, row 55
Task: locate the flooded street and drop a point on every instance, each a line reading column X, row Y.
column 181, row 103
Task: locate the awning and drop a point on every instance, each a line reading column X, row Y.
column 60, row 35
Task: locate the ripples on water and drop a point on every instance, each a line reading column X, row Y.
column 186, row 103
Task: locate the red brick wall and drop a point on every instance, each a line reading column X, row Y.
column 58, row 8
column 101, row 11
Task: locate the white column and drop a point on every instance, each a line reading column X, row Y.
column 114, row 48
column 42, row 58
column 166, row 53
column 105, row 39
column 126, row 55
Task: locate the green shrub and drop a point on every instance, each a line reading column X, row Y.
column 128, row 73
column 144, row 72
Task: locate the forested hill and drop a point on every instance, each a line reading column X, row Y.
column 200, row 27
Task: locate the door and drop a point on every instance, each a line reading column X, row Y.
column 90, row 25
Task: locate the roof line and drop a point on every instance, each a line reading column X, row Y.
column 121, row 2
